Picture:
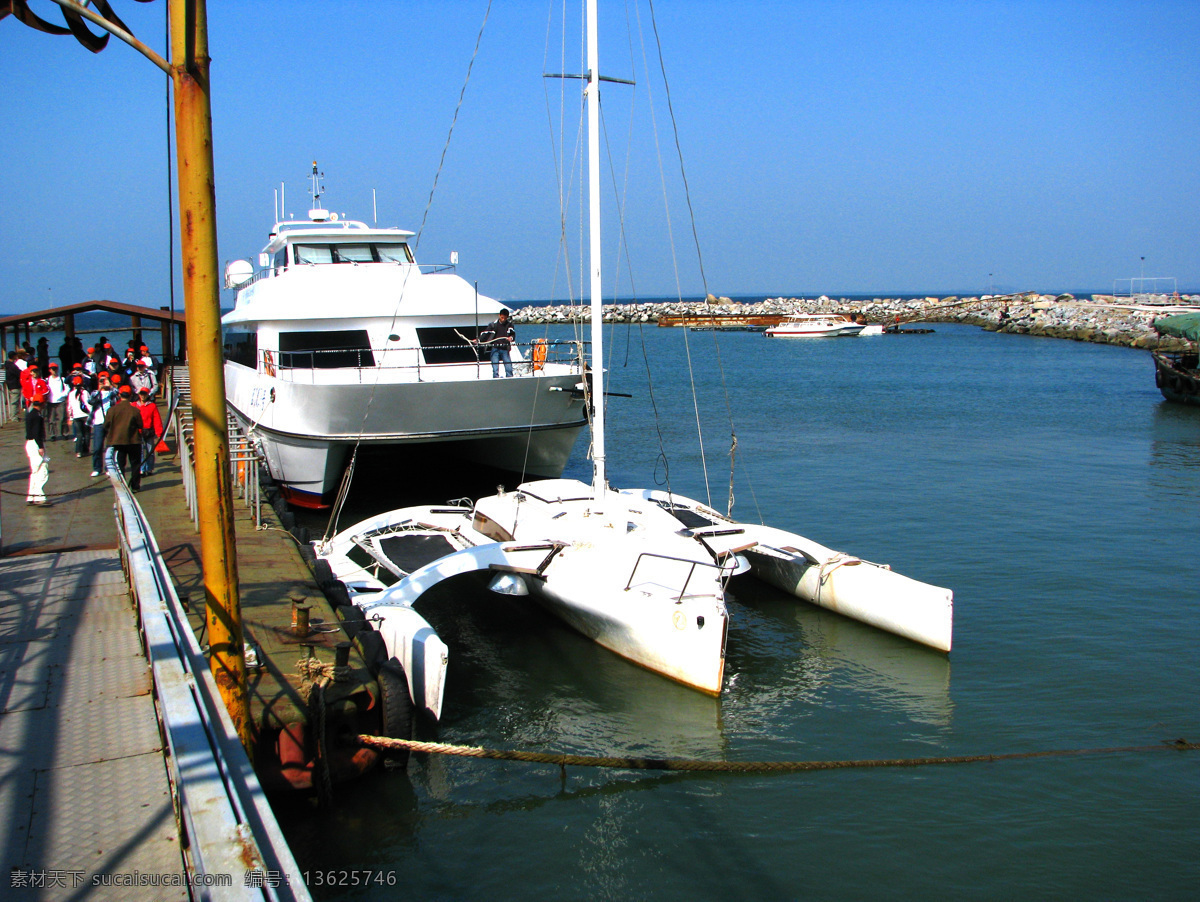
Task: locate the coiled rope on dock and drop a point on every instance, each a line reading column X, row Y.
column 384, row 743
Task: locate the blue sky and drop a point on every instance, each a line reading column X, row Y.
column 836, row 147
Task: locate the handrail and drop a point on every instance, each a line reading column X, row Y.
column 667, row 557
column 559, row 351
column 230, row 828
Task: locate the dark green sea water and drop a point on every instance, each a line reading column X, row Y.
column 1046, row 482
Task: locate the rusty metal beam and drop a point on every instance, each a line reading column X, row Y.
column 198, row 236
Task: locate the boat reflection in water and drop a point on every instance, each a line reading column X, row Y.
column 785, row 658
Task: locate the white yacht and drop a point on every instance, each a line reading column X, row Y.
column 815, row 325
column 340, row 339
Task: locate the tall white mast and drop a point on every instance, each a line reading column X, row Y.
column 593, row 114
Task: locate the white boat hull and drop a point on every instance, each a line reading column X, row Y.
column 639, row 572
column 526, row 424
column 861, row 590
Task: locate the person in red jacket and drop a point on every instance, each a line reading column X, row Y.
column 33, row 384
column 152, row 429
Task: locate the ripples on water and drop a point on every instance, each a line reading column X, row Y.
column 1046, row 482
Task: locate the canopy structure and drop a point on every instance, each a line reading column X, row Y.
column 171, row 324
column 1183, row 325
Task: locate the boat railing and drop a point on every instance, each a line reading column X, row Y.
column 691, row 565
column 445, row 362
column 267, row 272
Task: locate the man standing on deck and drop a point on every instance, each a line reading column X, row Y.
column 123, row 432
column 35, row 450
column 500, row 335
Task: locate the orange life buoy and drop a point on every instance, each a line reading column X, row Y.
column 537, row 353
column 268, row 363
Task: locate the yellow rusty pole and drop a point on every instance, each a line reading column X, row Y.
column 198, row 237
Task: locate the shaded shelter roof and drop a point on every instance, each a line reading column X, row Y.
column 151, row 313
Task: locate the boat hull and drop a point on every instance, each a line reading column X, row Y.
column 524, row 425
column 682, row 640
column 1175, row 379
column 861, row 590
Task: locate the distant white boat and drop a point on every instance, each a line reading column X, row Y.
column 341, row 339
column 815, row 325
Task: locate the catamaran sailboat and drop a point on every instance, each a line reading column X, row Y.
column 641, row 572
column 341, row 339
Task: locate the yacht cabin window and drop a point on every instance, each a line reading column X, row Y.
column 325, row 350
column 373, row 252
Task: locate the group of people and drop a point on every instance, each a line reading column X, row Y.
column 106, row 405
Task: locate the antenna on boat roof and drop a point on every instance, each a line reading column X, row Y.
column 317, row 213
column 374, row 209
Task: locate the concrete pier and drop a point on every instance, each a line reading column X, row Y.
column 83, row 784
column 274, row 577
column 84, row 794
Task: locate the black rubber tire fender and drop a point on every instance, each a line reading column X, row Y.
column 397, row 708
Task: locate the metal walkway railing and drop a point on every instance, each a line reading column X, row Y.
column 243, row 457
column 228, row 826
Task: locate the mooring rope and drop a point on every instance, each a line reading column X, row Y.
column 384, row 743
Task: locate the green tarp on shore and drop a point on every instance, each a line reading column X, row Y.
column 1183, row 325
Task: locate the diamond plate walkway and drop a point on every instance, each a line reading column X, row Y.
column 84, row 795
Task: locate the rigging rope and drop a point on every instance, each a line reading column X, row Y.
column 416, row 245
column 700, row 263
column 384, row 743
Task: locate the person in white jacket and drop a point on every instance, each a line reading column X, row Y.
column 56, row 405
column 79, row 408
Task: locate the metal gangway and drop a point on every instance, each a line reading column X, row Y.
column 244, row 459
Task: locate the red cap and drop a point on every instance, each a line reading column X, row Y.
column 39, row 398
column 115, row 377
column 54, row 366
column 125, row 390
column 91, row 350
column 77, row 380
column 143, row 348
column 77, row 366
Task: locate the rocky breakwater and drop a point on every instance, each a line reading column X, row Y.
column 1100, row 319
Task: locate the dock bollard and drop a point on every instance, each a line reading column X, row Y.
column 300, row 619
column 341, row 654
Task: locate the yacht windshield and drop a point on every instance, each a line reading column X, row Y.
column 353, row 253
column 392, row 252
